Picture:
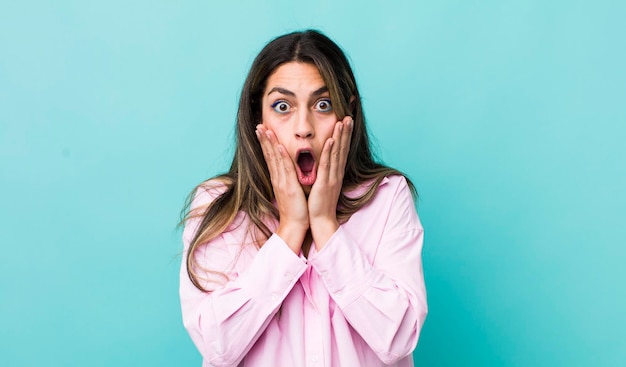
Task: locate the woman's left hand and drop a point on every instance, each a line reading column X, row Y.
column 325, row 192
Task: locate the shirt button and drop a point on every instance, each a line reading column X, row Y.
column 288, row 275
column 314, row 358
column 338, row 294
column 274, row 296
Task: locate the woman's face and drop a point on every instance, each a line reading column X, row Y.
column 297, row 108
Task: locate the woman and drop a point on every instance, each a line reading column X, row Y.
column 307, row 252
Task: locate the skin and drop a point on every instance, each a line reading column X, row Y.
column 297, row 114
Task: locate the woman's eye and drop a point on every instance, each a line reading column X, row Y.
column 323, row 105
column 281, row 106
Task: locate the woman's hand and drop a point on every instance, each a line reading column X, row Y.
column 325, row 192
column 292, row 204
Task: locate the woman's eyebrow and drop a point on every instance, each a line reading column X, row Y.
column 287, row 92
column 281, row 90
column 319, row 91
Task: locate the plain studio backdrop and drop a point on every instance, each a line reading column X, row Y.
column 508, row 115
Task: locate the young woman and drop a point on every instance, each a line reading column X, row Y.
column 307, row 252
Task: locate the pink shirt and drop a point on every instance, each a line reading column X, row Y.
column 360, row 301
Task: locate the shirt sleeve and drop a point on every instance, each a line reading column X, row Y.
column 225, row 323
column 383, row 300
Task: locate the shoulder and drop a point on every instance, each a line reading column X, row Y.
column 209, row 191
column 395, row 181
column 395, row 202
column 198, row 203
column 387, row 187
column 397, row 187
column 392, row 186
column 389, row 192
column 390, row 210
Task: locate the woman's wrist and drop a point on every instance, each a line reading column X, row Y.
column 293, row 235
column 322, row 230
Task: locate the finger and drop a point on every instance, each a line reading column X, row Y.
column 277, row 157
column 286, row 170
column 268, row 150
column 324, row 167
column 273, row 157
column 283, row 162
column 346, row 138
column 335, row 155
column 260, row 134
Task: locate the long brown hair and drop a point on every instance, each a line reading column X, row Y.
column 247, row 183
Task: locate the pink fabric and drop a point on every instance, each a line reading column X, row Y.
column 360, row 301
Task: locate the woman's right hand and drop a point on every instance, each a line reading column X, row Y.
column 290, row 198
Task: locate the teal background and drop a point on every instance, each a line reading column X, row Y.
column 509, row 116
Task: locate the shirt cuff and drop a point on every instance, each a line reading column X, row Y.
column 344, row 269
column 273, row 272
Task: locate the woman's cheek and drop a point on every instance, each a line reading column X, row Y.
column 330, row 128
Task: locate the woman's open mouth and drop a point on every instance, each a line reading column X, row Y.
column 305, row 163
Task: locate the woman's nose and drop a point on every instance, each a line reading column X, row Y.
column 304, row 125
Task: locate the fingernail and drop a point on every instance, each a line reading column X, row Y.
column 350, row 122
